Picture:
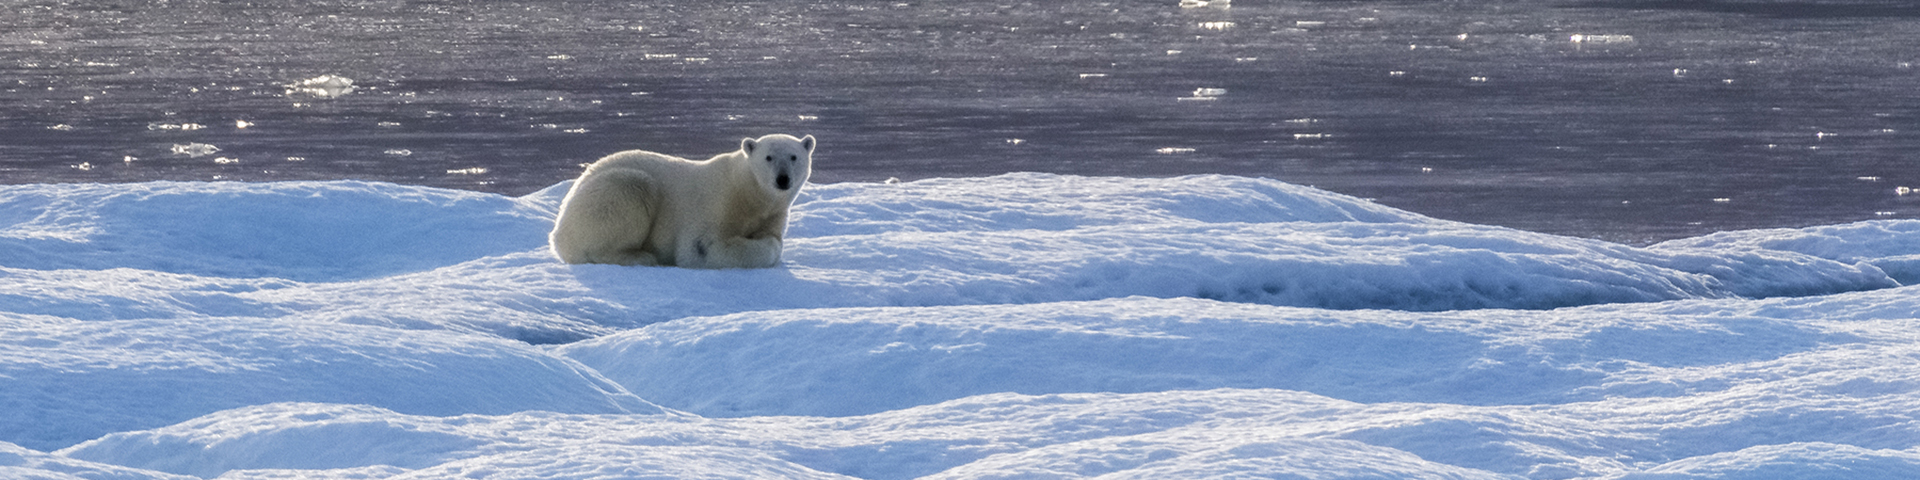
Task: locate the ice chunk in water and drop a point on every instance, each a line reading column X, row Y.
column 1578, row 38
column 194, row 149
column 324, row 86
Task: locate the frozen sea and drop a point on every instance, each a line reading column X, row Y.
column 1312, row 239
column 1025, row 325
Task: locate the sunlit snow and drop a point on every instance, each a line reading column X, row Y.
column 1023, row 325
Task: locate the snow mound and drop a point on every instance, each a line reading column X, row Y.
column 796, row 362
column 1024, row 325
column 25, row 464
column 308, row 231
column 1891, row 245
column 63, row 381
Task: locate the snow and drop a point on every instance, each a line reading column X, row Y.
column 1018, row 326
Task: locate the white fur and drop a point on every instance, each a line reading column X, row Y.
column 644, row 208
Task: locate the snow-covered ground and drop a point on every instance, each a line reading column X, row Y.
column 1018, row 326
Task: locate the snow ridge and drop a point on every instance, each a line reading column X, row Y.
column 1024, row 325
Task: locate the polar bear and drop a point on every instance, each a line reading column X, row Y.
column 644, row 208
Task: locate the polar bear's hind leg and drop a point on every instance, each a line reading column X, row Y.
column 607, row 218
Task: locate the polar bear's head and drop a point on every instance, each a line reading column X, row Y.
column 780, row 162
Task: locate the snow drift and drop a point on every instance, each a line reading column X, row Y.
column 1022, row 325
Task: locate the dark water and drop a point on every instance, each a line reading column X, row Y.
column 1667, row 118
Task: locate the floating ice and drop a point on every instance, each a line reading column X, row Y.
column 184, row 127
column 194, row 150
column 1216, row 25
column 468, row 171
column 225, row 160
column 1174, row 150
column 324, row 86
column 1579, row 38
column 399, row 152
column 61, row 127
column 1206, row 3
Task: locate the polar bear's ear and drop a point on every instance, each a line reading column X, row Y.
column 746, row 145
column 807, row 143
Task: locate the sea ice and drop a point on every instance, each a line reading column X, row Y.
column 195, row 150
column 324, row 86
column 1023, row 324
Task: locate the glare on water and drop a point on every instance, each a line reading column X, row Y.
column 1627, row 120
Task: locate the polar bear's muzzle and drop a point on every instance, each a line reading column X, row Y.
column 783, row 181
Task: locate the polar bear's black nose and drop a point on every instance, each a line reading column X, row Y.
column 783, row 181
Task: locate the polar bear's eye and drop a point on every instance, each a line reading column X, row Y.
column 793, row 158
column 769, row 158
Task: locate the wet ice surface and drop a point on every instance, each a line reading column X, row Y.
column 1630, row 121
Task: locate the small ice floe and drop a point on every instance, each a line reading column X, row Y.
column 1016, row 141
column 1206, row 3
column 1204, row 94
column 1902, row 191
column 1477, row 79
column 324, row 86
column 242, row 124
column 1216, row 25
column 1173, row 150
column 1309, row 136
column 1309, row 23
column 296, row 159
column 1581, row 38
column 194, row 150
column 1245, row 59
column 398, row 152
column 1679, row 73
column 1723, row 200
column 809, row 118
column 184, row 127
column 387, row 124
column 468, row 171
column 1867, row 178
column 83, row 166
column 1093, row 75
column 61, row 127
column 225, row 160
column 129, row 159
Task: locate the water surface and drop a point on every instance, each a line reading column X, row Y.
column 1632, row 121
